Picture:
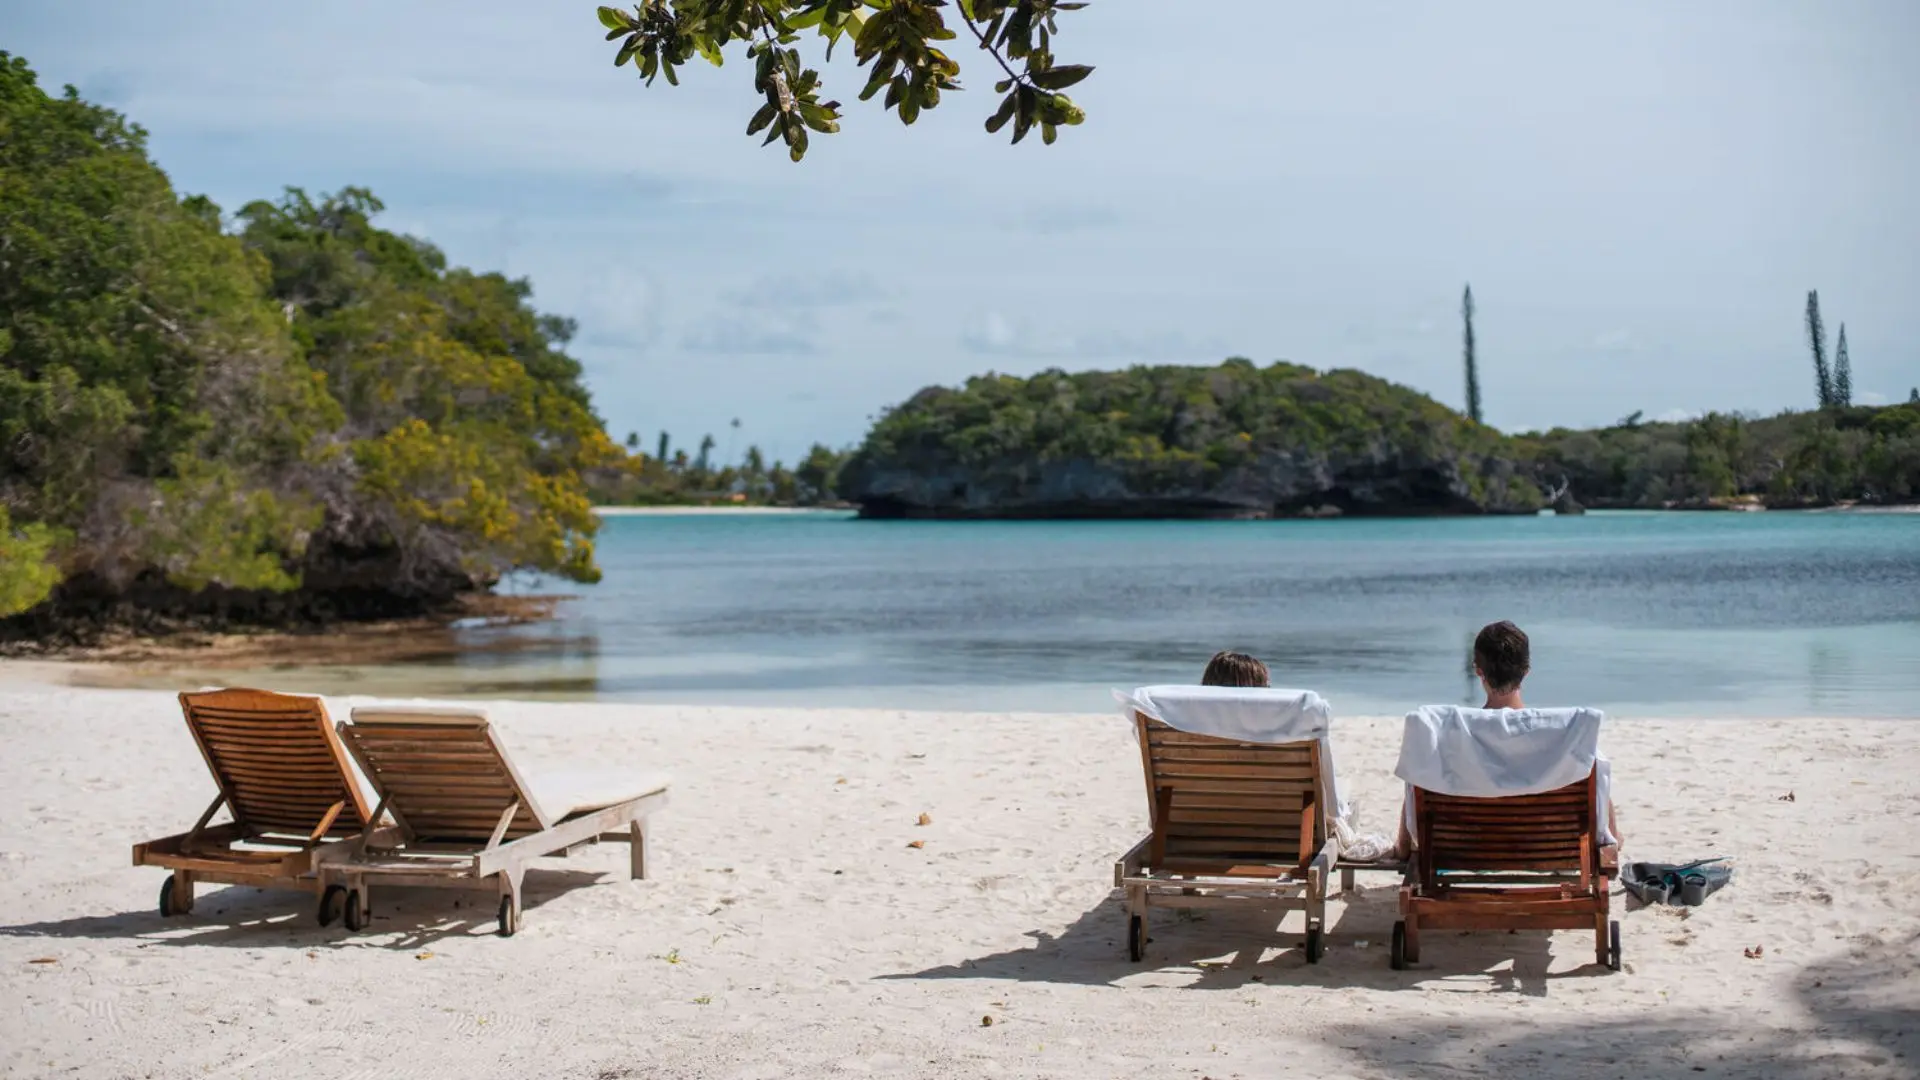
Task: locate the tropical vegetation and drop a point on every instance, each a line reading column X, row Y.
column 287, row 410
column 672, row 477
column 1238, row 436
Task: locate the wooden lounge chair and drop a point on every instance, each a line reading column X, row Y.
column 1516, row 862
column 1235, row 824
column 285, row 783
column 466, row 817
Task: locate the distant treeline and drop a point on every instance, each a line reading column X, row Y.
column 671, row 477
column 1794, row 459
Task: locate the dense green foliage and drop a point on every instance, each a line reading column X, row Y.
column 670, row 478
column 1201, row 432
column 304, row 405
column 1794, row 459
column 1171, row 429
column 894, row 42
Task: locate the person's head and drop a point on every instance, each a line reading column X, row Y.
column 1234, row 669
column 1501, row 657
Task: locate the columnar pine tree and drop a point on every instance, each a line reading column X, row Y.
column 1817, row 339
column 666, row 447
column 1473, row 371
column 1842, row 371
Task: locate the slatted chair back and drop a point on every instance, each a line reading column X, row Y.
column 1220, row 806
column 443, row 776
column 1552, row 832
column 280, row 768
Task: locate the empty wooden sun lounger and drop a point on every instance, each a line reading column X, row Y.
column 467, row 818
column 1516, row 862
column 286, row 785
column 1235, row 824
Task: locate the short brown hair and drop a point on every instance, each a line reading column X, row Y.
column 1501, row 655
column 1234, row 669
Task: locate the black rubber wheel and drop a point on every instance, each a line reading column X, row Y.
column 1613, row 945
column 1397, row 955
column 355, row 912
column 1136, row 938
column 509, row 919
column 332, row 899
column 1316, row 948
column 167, row 910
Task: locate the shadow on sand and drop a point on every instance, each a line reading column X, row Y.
column 237, row 916
column 1225, row 950
column 1859, row 1018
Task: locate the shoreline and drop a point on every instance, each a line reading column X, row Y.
column 853, row 513
column 716, row 511
column 930, row 894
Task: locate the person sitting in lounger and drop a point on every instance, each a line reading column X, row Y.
column 1234, row 669
column 1502, row 658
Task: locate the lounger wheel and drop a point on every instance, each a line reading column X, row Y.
column 1316, row 947
column 356, row 911
column 1136, row 938
column 1397, row 955
column 1613, row 945
column 170, row 904
column 332, row 899
column 509, row 917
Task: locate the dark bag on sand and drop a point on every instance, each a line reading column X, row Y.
column 1665, row 883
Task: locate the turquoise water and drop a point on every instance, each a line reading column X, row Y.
column 1769, row 614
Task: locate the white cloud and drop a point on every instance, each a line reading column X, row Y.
column 996, row 335
column 1615, row 341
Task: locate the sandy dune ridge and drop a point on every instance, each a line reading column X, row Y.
column 790, row 929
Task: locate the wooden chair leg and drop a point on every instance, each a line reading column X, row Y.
column 638, row 857
column 1346, row 880
column 183, row 891
column 1413, row 938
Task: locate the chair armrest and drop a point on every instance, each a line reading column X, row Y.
column 1129, row 864
column 1610, row 860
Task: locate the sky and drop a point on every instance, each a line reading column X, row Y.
column 1640, row 193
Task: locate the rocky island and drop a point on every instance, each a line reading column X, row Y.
column 1231, row 441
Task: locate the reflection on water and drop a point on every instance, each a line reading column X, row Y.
column 1649, row 614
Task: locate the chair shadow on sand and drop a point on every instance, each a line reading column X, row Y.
column 242, row 917
column 1227, row 950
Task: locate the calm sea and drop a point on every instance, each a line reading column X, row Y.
column 1770, row 614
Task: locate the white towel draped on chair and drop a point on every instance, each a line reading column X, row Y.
column 1245, row 714
column 1488, row 753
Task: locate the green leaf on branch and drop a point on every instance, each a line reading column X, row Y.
column 894, row 43
column 1059, row 78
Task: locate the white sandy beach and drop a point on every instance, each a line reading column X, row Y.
column 789, row 929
